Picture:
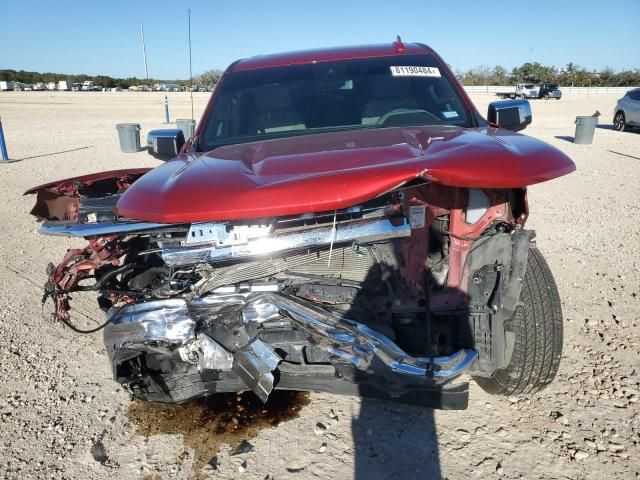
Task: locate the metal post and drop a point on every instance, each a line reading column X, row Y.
column 3, row 145
column 166, row 109
column 190, row 69
column 144, row 53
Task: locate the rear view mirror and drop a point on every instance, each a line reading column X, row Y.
column 166, row 143
column 512, row 115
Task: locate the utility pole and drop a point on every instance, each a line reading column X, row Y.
column 144, row 53
column 190, row 69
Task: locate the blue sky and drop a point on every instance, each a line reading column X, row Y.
column 104, row 38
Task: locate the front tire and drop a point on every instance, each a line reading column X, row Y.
column 619, row 122
column 537, row 327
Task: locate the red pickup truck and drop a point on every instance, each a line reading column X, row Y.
column 342, row 220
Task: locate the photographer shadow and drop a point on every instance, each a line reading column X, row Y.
column 397, row 439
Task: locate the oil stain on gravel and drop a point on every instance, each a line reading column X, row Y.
column 224, row 418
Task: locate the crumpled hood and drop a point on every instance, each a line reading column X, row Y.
column 330, row 171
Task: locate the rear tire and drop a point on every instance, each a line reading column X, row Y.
column 537, row 326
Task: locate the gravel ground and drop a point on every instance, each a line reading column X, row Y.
column 62, row 416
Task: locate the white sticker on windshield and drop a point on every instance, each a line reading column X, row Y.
column 414, row 71
column 450, row 114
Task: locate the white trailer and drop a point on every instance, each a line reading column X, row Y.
column 65, row 85
column 6, row 86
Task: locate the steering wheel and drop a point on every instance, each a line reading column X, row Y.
column 400, row 116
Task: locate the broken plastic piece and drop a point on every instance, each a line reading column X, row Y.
column 254, row 365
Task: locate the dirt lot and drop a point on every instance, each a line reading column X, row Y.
column 62, row 416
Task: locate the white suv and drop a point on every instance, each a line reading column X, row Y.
column 627, row 111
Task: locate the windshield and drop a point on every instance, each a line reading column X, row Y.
column 268, row 103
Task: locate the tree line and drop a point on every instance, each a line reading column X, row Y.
column 571, row 75
column 210, row 77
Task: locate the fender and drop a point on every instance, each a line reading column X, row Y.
column 60, row 200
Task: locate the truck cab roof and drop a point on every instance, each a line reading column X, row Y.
column 329, row 54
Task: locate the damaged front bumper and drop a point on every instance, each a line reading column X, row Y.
column 237, row 341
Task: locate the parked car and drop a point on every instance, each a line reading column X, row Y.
column 626, row 114
column 549, row 90
column 342, row 220
column 39, row 87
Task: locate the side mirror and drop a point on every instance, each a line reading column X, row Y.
column 512, row 115
column 166, row 143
